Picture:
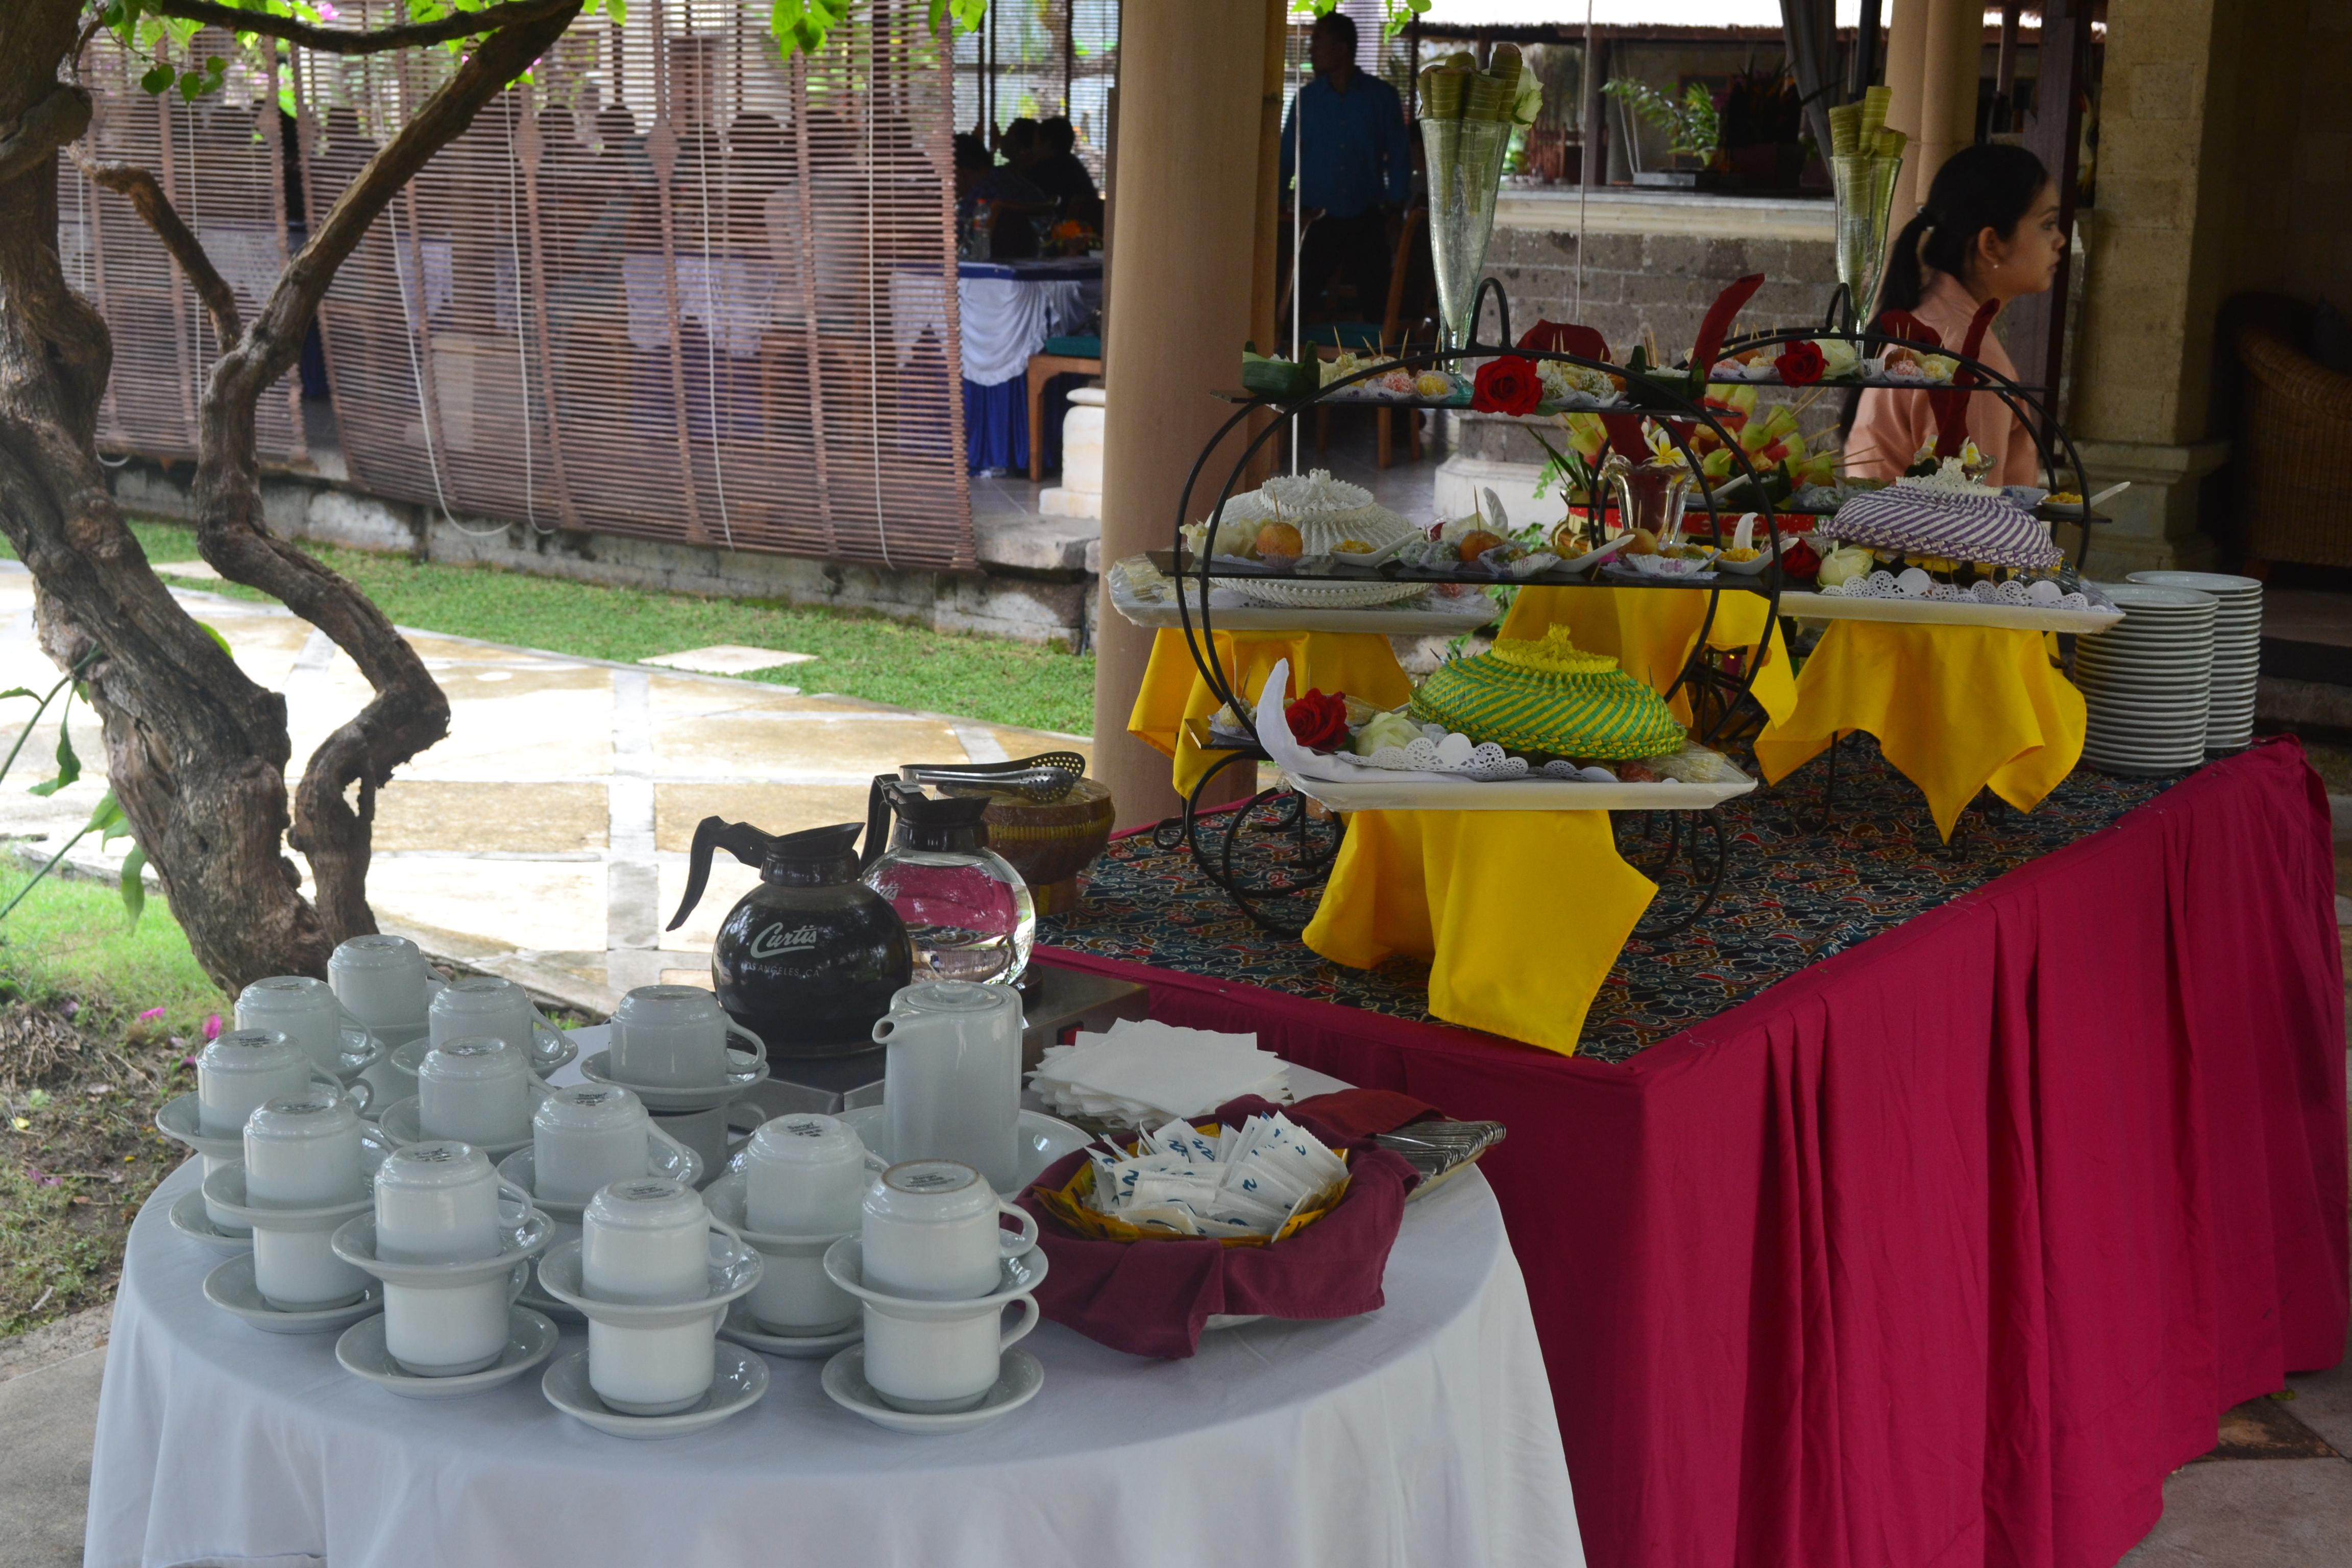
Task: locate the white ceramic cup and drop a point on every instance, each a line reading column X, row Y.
column 385, row 983
column 794, row 1295
column 585, row 1138
column 298, row 1271
column 477, row 1089
column 449, row 1331
column 804, row 1174
column 245, row 1070
column 302, row 1009
column 929, row 1232
column 933, row 1363
column 483, row 1004
column 304, row 1151
column 647, row 1241
column 656, row 1371
column 438, row 1202
column 669, row 1037
column 710, row 1133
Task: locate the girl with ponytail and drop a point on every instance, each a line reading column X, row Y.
column 1988, row 231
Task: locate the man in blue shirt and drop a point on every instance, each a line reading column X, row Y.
column 1358, row 170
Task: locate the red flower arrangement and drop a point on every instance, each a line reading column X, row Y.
column 1507, row 385
column 1318, row 721
column 1799, row 559
column 1799, row 363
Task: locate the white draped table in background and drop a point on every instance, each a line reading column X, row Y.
column 1419, row 1434
column 1006, row 310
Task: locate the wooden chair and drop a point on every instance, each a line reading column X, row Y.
column 1045, row 366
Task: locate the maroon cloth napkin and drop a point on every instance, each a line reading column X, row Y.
column 1152, row 1297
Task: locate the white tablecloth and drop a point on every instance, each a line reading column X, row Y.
column 1004, row 319
column 1420, row 1435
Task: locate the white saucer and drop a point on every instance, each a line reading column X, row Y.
column 189, row 1218
column 530, row 1338
column 230, row 1287
column 739, row 1328
column 1018, row 1378
column 742, row 1379
column 743, row 1069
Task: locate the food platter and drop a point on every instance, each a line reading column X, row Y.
column 1412, row 619
column 1808, row 605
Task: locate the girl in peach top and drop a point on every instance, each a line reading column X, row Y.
column 1988, row 231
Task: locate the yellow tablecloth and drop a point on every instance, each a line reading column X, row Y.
column 1956, row 709
column 1652, row 632
column 1358, row 663
column 1519, row 913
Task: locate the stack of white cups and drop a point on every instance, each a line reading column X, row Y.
column 654, row 1283
column 670, row 1045
column 450, row 1259
column 930, row 1267
column 301, row 1177
column 237, row 1074
column 583, row 1138
column 383, row 982
column 803, row 1179
column 307, row 1013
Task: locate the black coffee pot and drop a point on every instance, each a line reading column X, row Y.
column 811, row 957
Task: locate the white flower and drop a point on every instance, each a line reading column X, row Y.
column 1843, row 567
column 1563, row 383
column 1384, row 729
column 1839, row 357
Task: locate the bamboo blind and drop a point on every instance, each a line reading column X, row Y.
column 1053, row 57
column 674, row 287
column 219, row 161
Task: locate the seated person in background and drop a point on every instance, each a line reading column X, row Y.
column 1013, row 201
column 1058, row 173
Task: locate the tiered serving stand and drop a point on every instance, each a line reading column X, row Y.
column 1273, row 854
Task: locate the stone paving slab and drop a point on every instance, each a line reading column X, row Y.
column 48, row 1421
column 545, row 839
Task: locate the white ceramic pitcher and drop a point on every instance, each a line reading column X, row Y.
column 952, row 1081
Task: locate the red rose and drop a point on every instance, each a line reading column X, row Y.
column 1799, row 363
column 1506, row 386
column 1798, row 559
column 1319, row 722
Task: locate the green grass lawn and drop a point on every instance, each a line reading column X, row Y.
column 97, row 1024
column 857, row 655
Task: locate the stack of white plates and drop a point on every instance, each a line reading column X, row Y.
column 2237, row 650
column 2148, row 682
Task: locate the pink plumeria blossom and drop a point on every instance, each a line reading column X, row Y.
column 150, row 1013
column 212, row 1027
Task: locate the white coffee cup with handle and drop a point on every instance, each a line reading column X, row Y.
column 931, row 1231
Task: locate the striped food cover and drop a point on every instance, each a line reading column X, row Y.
column 1918, row 519
column 1543, row 695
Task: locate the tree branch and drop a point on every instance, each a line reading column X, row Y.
column 139, row 186
column 342, row 41
column 409, row 711
column 48, row 125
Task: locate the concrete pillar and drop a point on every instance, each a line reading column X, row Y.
column 2159, row 268
column 1933, row 54
column 1191, row 83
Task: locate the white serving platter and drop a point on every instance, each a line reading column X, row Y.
column 1385, row 620
column 1402, row 794
column 1807, row 605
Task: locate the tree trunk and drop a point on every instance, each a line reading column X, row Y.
column 197, row 753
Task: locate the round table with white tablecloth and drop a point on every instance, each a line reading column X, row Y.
column 1419, row 1434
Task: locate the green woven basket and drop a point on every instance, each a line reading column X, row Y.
column 1546, row 697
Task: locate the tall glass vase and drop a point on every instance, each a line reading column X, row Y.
column 1863, row 188
column 1465, row 168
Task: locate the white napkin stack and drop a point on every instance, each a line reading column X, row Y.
column 1141, row 1073
column 1238, row 1181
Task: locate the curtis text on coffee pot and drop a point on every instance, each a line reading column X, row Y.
column 811, row 957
